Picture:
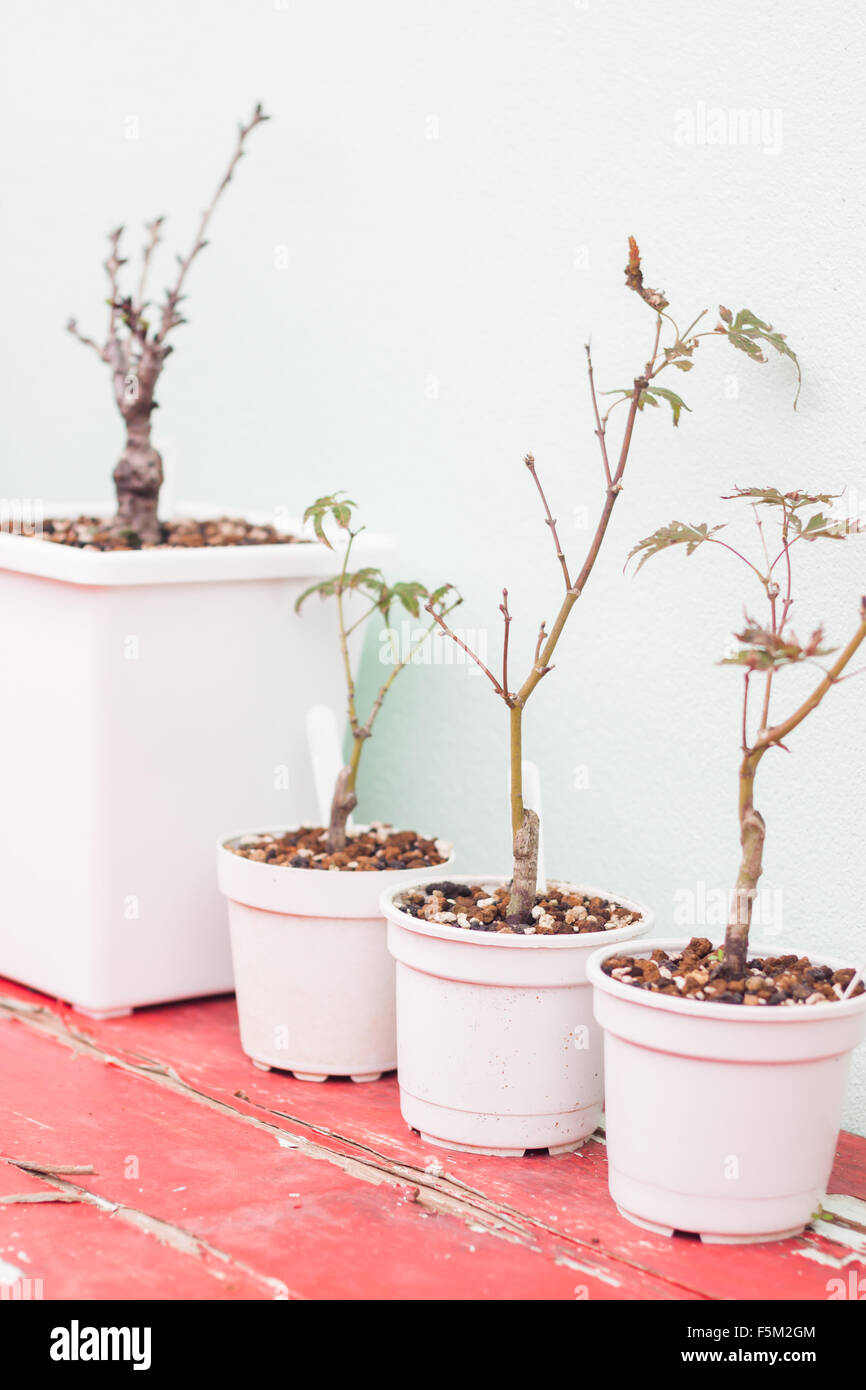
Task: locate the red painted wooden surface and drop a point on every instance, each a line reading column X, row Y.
column 214, row 1180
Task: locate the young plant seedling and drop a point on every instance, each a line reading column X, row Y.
column 672, row 349
column 764, row 650
column 135, row 351
column 371, row 585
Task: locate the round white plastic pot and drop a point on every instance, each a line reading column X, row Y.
column 313, row 977
column 721, row 1120
column 497, row 1048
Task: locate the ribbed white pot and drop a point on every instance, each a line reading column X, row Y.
column 313, row 977
column 148, row 699
column 721, row 1120
column 498, row 1051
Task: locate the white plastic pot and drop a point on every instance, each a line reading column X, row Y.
column 313, row 977
column 721, row 1120
column 497, row 1048
column 147, row 699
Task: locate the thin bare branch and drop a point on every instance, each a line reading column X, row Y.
column 599, row 426
column 113, row 265
column 506, row 618
column 169, row 314
column 154, row 230
column 550, row 519
column 428, row 608
column 72, row 327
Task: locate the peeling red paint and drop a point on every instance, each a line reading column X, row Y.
column 216, row 1180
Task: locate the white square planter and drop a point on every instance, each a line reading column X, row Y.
column 148, row 699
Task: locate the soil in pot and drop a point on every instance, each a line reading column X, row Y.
column 96, row 533
column 376, row 849
column 477, row 907
column 695, row 973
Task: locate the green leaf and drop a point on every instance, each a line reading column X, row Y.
column 676, row 404
column 336, row 505
column 747, row 332
column 369, row 580
column 677, row 533
column 409, row 593
column 821, row 527
column 650, row 395
column 438, row 596
column 325, row 588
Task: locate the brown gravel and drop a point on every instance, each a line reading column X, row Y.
column 477, row 907
column 770, row 980
column 380, row 847
column 95, row 533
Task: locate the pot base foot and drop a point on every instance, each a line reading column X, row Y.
column 366, row 1076
column 653, row 1226
column 310, row 1076
column 553, row 1150
column 709, row 1238
column 752, row 1240
column 101, row 1014
column 262, row 1066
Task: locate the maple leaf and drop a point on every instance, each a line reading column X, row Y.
column 764, row 650
column 677, row 533
column 746, row 332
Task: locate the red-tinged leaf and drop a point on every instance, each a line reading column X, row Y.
column 677, row 533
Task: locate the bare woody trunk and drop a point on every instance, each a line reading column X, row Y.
column 137, row 479
column 752, row 836
column 136, row 366
column 524, row 883
column 525, row 831
column 342, row 806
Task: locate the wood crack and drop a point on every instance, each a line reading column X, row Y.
column 166, row 1232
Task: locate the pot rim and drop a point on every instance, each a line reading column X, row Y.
column 705, row 1008
column 575, row 941
column 260, row 865
column 30, row 555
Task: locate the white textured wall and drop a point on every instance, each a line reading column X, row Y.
column 455, row 181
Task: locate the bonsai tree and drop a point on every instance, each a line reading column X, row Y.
column 765, row 649
column 135, row 350
column 673, row 350
column 380, row 596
